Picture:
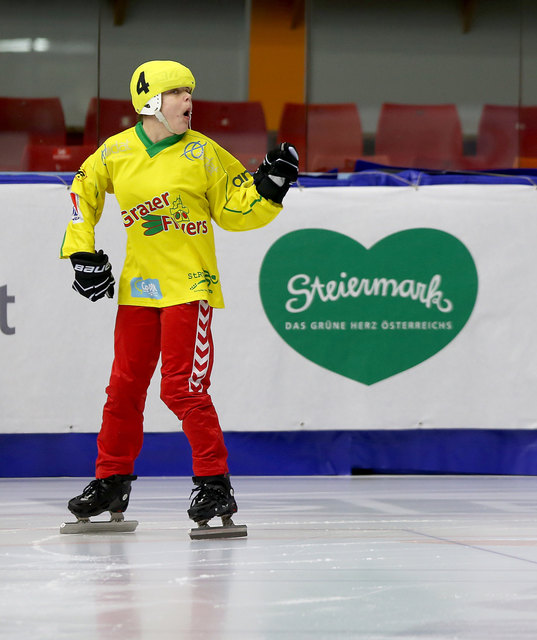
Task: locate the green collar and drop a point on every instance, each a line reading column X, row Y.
column 151, row 147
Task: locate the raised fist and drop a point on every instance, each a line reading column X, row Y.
column 277, row 172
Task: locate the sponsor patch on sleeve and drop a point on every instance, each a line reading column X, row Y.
column 76, row 215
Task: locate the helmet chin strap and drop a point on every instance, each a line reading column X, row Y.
column 160, row 117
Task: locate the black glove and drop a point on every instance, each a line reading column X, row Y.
column 93, row 275
column 277, row 171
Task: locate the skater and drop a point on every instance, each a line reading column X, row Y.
column 170, row 182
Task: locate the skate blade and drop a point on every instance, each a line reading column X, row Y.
column 230, row 531
column 87, row 526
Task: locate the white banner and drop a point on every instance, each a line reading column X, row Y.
column 357, row 308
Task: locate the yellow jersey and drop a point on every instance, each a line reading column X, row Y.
column 169, row 193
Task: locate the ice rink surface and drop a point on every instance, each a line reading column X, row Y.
column 372, row 557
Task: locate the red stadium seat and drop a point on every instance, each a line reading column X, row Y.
column 506, row 133
column 293, row 128
column 327, row 136
column 26, row 121
column 109, row 116
column 527, row 127
column 424, row 136
column 46, row 157
column 239, row 127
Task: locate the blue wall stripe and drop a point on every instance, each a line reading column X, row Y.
column 331, row 452
column 367, row 174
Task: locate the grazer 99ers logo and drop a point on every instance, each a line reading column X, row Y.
column 154, row 223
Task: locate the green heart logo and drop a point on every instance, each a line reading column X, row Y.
column 368, row 314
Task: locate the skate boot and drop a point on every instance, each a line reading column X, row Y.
column 106, row 494
column 214, row 497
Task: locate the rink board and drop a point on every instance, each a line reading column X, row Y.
column 302, row 382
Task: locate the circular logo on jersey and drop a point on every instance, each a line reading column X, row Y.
column 194, row 150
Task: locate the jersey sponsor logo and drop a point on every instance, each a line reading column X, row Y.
column 210, row 166
column 241, row 178
column 205, row 280
column 76, row 215
column 146, row 288
column 194, row 150
column 117, row 147
column 145, row 208
column 80, row 175
column 178, row 218
column 157, row 224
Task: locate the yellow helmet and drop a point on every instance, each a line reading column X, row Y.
column 152, row 78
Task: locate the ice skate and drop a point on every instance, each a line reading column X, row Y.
column 107, row 494
column 213, row 497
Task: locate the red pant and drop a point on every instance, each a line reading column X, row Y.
column 181, row 336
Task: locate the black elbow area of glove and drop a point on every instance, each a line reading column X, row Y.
column 87, row 258
column 267, row 188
